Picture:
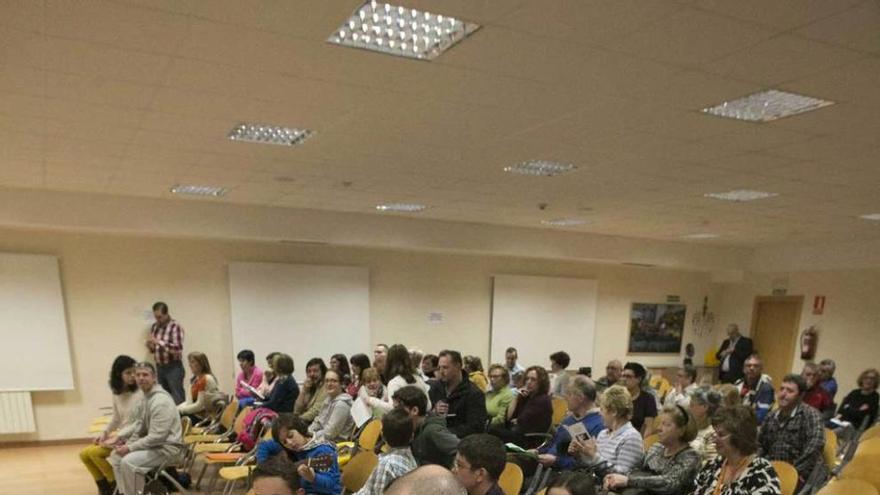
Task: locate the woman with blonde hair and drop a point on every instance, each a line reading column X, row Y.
column 499, row 396
column 203, row 388
column 619, row 448
column 372, row 391
column 126, row 397
column 474, row 367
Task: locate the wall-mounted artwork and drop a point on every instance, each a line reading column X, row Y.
column 656, row 328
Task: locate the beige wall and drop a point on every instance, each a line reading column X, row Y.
column 848, row 328
column 110, row 281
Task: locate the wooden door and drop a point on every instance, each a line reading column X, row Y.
column 774, row 332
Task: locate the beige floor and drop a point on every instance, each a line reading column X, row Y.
column 47, row 470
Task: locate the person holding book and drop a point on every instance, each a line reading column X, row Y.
column 247, row 381
column 619, row 448
column 583, row 420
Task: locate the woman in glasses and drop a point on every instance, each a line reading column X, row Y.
column 737, row 470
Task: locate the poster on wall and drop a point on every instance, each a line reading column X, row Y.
column 656, row 328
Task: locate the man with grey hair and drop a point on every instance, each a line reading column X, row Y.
column 613, row 370
column 583, row 419
column 733, row 353
column 826, row 372
column 154, row 437
column 427, row 480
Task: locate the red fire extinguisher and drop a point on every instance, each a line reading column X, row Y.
column 809, row 342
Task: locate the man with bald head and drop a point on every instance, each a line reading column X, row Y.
column 613, row 370
column 427, row 480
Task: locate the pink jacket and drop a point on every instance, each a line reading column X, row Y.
column 255, row 380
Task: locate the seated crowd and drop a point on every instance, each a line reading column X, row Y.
column 449, row 424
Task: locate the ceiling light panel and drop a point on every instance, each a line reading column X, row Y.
column 741, row 195
column 269, row 134
column 193, row 190
column 767, row 106
column 401, row 31
column 402, row 207
column 871, row 216
column 564, row 222
column 542, row 168
column 700, row 236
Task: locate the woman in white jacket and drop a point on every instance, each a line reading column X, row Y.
column 400, row 372
column 334, row 422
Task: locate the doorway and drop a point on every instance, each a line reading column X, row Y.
column 775, row 321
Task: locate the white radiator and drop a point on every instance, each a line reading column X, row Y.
column 16, row 413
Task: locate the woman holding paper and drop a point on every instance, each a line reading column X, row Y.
column 619, row 448
column 248, row 379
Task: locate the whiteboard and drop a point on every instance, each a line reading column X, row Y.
column 34, row 354
column 303, row 310
column 542, row 315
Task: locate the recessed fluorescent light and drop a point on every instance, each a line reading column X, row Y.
column 192, row 190
column 700, row 236
column 871, row 216
column 401, row 31
column 269, row 134
column 404, row 207
column 741, row 195
column 564, row 222
column 767, row 106
column 544, row 168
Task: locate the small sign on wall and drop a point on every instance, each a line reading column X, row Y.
column 673, row 299
column 819, row 305
column 435, row 317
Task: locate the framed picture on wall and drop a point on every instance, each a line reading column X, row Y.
column 656, row 328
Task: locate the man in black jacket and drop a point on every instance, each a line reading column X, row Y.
column 733, row 354
column 456, row 398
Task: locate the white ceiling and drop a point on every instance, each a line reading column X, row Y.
column 131, row 97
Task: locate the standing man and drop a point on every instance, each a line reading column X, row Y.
column 166, row 344
column 793, row 433
column 154, row 438
column 733, row 353
column 517, row 372
column 457, row 398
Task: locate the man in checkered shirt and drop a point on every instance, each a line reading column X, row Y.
column 794, row 432
column 166, row 344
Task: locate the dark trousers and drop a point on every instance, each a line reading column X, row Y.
column 171, row 379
